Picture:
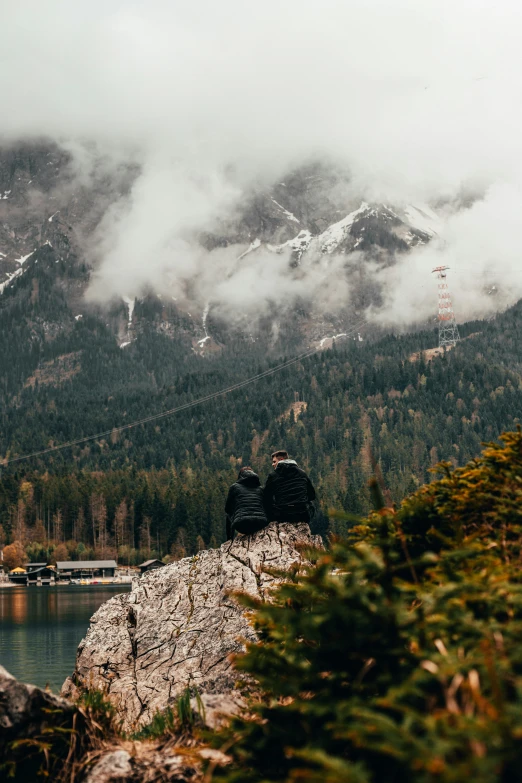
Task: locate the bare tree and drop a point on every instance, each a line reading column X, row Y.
column 145, row 542
column 120, row 523
column 19, row 529
column 58, row 526
column 99, row 522
column 79, row 525
column 178, row 550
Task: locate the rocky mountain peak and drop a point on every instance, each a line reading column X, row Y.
column 310, row 218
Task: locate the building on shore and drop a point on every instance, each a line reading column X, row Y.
column 149, row 565
column 85, row 569
column 46, row 575
column 37, row 574
column 18, row 576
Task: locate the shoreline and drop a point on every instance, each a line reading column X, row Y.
column 118, row 583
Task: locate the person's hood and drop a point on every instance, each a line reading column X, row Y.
column 284, row 462
column 249, row 479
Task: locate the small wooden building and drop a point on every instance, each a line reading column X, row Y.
column 149, row 565
column 85, row 569
column 18, row 576
column 45, row 575
column 41, row 575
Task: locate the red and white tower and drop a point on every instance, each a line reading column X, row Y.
column 448, row 331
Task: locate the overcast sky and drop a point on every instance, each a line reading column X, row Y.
column 420, row 98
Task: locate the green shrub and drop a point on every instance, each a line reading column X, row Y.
column 174, row 721
column 163, row 723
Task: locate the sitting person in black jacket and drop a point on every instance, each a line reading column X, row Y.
column 244, row 508
column 288, row 491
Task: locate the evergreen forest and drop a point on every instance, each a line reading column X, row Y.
column 159, row 489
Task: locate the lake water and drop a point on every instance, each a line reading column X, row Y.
column 41, row 628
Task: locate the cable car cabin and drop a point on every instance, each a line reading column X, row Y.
column 150, row 565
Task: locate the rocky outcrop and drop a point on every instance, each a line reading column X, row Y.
column 149, row 762
column 179, row 626
column 112, row 766
column 39, row 731
column 25, row 709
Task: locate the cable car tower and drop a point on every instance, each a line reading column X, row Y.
column 448, row 331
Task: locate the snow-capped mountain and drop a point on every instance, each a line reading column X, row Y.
column 48, row 214
column 367, row 227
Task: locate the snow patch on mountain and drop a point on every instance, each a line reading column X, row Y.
column 297, row 245
column 331, row 339
column 332, row 237
column 130, row 304
column 423, row 218
column 10, row 277
column 253, row 246
column 288, row 215
column 204, row 317
column 23, row 259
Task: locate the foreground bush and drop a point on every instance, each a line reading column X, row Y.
column 398, row 658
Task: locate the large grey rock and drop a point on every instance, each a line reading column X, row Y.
column 179, row 626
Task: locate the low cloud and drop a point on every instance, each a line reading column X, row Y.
column 269, row 277
column 481, row 246
column 419, row 101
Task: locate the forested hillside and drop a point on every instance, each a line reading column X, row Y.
column 160, row 487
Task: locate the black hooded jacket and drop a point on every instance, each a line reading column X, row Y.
column 288, row 492
column 245, row 507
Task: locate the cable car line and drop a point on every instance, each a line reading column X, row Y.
column 179, row 408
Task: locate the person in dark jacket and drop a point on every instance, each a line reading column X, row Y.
column 288, row 491
column 245, row 508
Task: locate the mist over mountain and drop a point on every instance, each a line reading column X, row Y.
column 262, row 256
column 300, row 251
column 184, row 139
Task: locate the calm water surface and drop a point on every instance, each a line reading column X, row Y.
column 41, row 627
